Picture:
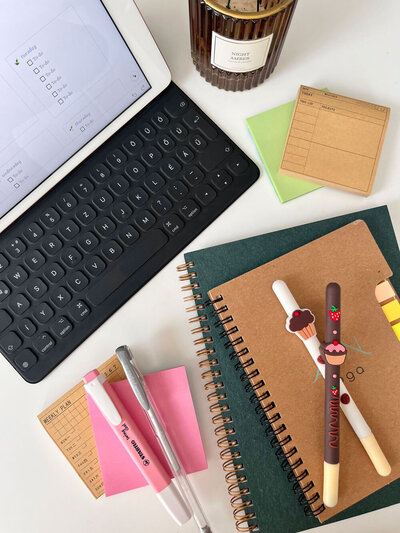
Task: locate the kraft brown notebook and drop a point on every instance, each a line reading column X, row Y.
column 283, row 375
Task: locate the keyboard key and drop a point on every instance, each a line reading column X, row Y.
column 17, row 275
column 85, row 214
column 161, row 205
column 151, row 156
column 165, row 142
column 10, row 342
column 61, row 327
column 3, row 263
column 179, row 132
column 147, row 132
column 35, row 260
column 51, row 244
column 60, row 297
column 71, row 257
column 36, row 288
column 197, row 142
column 54, row 273
column 102, row 199
column 50, row 218
column 221, row 179
column 25, row 360
column 105, row 226
column 128, row 235
column 27, row 327
column 214, row 154
column 79, row 310
column 19, row 304
column 177, row 190
column 33, row 232
column 78, row 281
column 5, row 320
column 83, row 188
column 135, row 170
column 195, row 121
column 154, row 182
column 95, row 266
column 173, row 224
column 176, row 106
column 119, row 185
column 88, row 242
column 67, row 203
column 68, row 229
column 43, row 312
column 205, row 194
column 145, row 220
column 132, row 145
column 194, row 176
column 130, row 262
column 15, row 248
column 116, row 159
column 184, row 154
column 189, row 209
column 112, row 250
column 4, row 291
column 121, row 211
column 237, row 164
column 138, row 197
column 160, row 120
column 43, row 343
column 100, row 173
column 170, row 167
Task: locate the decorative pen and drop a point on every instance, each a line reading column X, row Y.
column 335, row 355
column 139, row 388
column 349, row 408
column 113, row 410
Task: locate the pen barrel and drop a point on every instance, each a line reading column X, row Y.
column 332, row 414
column 138, row 448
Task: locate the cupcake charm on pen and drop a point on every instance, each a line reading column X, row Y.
column 302, row 324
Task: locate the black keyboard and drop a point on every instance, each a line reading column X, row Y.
column 107, row 228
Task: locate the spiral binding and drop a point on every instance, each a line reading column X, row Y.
column 281, row 440
column 219, row 408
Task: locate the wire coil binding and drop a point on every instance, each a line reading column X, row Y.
column 275, row 429
column 219, row 408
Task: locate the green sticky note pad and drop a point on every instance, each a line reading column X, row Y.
column 269, row 131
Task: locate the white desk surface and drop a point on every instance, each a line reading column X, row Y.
column 350, row 47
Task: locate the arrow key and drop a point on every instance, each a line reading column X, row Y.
column 237, row 165
column 205, row 194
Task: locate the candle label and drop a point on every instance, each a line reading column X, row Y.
column 239, row 56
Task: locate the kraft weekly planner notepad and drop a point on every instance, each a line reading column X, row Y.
column 68, row 423
column 273, row 502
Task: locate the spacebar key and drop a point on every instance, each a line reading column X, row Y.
column 127, row 264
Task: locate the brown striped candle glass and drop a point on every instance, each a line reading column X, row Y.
column 236, row 44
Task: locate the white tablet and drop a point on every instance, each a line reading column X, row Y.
column 72, row 72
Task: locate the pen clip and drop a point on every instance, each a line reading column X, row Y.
column 133, row 375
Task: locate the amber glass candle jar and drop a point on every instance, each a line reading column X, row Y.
column 236, row 44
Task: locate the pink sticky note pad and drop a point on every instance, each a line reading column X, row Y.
column 170, row 392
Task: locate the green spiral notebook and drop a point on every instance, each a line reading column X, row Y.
column 263, row 490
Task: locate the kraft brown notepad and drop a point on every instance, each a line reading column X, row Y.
column 283, row 374
column 334, row 140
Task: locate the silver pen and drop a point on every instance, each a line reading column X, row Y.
column 138, row 385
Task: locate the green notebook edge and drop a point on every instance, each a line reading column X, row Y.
column 273, row 498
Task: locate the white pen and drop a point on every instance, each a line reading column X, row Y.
column 350, row 409
column 139, row 388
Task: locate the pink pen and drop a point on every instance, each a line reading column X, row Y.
column 133, row 441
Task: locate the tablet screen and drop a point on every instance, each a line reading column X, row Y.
column 65, row 74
